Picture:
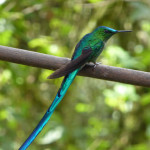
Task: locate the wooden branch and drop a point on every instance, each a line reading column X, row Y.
column 40, row 60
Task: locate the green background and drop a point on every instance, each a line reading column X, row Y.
column 94, row 114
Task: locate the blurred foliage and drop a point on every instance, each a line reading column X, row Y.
column 95, row 114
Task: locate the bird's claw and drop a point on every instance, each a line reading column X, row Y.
column 96, row 63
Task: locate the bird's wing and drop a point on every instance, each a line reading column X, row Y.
column 73, row 65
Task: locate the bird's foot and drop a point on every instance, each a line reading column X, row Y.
column 96, row 63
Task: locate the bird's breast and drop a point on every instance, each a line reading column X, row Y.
column 97, row 49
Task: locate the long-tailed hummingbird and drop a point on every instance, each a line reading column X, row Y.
column 87, row 50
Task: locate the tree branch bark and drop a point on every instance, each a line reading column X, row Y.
column 40, row 60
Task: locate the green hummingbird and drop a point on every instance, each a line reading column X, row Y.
column 87, row 50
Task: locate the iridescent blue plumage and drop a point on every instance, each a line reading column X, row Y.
column 68, row 79
column 87, row 50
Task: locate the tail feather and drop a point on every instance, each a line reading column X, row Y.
column 60, row 94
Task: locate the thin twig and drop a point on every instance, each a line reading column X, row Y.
column 40, row 60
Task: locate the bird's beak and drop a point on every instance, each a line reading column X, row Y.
column 124, row 31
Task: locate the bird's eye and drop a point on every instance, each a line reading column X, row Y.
column 107, row 31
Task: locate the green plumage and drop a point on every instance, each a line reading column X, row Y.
column 87, row 50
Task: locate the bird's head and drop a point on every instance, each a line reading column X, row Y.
column 104, row 33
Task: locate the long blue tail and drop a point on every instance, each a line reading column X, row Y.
column 60, row 94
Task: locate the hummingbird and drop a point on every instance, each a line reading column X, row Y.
column 87, row 50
